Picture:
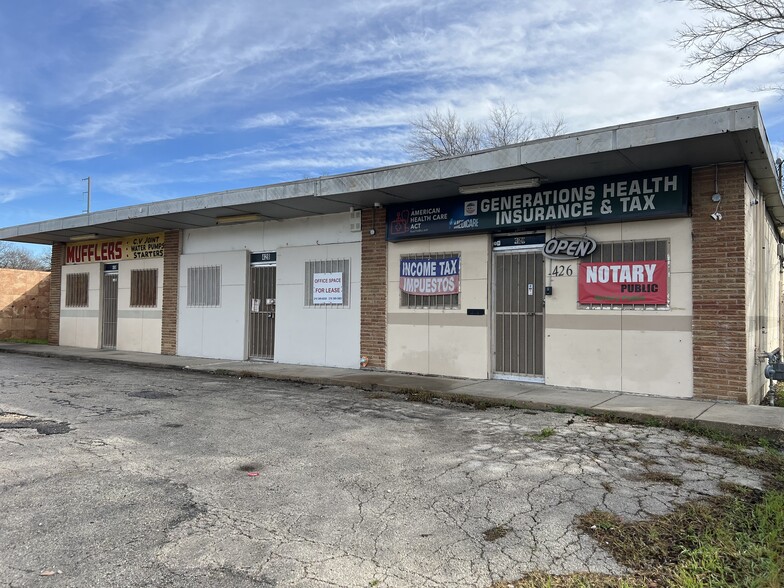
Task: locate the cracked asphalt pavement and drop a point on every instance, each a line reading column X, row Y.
column 141, row 478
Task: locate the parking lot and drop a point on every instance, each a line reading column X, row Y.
column 122, row 476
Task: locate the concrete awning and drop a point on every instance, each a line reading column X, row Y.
column 721, row 135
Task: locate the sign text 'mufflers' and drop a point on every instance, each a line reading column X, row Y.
column 135, row 247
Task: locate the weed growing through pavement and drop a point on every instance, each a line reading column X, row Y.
column 544, row 434
column 732, row 540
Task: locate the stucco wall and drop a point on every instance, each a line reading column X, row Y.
column 442, row 342
column 24, row 304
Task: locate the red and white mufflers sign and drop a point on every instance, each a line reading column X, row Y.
column 623, row 282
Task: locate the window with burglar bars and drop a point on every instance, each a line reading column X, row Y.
column 652, row 250
column 76, row 290
column 144, row 288
column 204, row 285
column 327, row 266
column 439, row 301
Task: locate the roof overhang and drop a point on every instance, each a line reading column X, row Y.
column 708, row 137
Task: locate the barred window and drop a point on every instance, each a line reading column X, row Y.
column 327, row 283
column 204, row 285
column 144, row 288
column 439, row 301
column 649, row 250
column 76, row 290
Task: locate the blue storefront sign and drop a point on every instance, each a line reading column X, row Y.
column 648, row 195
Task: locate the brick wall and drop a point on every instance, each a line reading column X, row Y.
column 373, row 325
column 24, row 304
column 171, row 268
column 719, row 284
column 58, row 251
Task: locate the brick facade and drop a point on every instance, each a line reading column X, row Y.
column 719, row 284
column 24, row 304
column 373, row 320
column 171, row 269
column 58, row 251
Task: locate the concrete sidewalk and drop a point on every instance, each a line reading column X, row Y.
column 763, row 421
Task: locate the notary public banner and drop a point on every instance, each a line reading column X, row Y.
column 430, row 277
column 648, row 195
column 623, row 282
column 136, row 247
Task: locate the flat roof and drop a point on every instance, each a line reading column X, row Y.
column 707, row 137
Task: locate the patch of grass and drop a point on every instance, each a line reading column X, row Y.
column 660, row 478
column 544, row 434
column 28, row 341
column 543, row 580
column 732, row 540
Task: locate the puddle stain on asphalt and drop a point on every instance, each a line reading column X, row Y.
column 13, row 420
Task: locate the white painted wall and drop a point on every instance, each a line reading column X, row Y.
column 322, row 335
column 81, row 327
column 138, row 329
column 220, row 331
column 271, row 235
column 326, row 336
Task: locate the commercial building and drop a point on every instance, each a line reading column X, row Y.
column 643, row 258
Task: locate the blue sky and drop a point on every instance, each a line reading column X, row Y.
column 161, row 100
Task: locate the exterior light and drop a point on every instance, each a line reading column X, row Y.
column 84, row 237
column 498, row 186
column 238, row 218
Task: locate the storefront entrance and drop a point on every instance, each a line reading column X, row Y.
column 518, row 313
column 261, row 325
column 109, row 307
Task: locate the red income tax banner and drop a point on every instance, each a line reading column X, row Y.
column 623, row 282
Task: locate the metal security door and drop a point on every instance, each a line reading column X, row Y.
column 518, row 314
column 262, row 312
column 109, row 308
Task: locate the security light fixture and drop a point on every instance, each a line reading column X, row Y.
column 237, row 218
column 498, row 186
column 716, row 216
column 84, row 237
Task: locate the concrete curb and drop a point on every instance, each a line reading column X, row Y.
column 732, row 420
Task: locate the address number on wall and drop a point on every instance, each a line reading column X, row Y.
column 560, row 271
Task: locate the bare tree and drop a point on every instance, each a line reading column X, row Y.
column 506, row 126
column 552, row 127
column 440, row 134
column 733, row 34
column 14, row 256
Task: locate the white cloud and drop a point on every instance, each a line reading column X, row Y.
column 13, row 138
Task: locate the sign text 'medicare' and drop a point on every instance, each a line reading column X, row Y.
column 136, row 247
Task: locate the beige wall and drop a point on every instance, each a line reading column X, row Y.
column 640, row 351
column 80, row 327
column 138, row 329
column 763, row 291
column 443, row 342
